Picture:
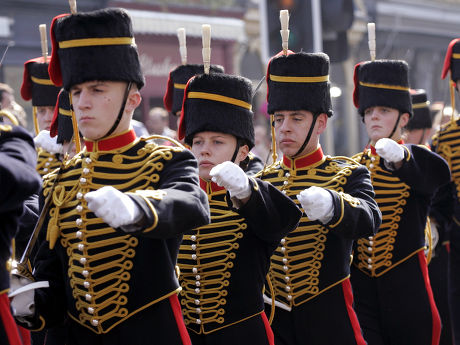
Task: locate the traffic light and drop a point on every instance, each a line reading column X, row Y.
column 336, row 17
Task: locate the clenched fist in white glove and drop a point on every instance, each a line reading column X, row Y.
column 232, row 178
column 114, row 207
column 317, row 203
column 22, row 304
column 389, row 150
column 44, row 140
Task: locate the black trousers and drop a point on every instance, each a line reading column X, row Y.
column 328, row 319
column 397, row 308
column 160, row 324
column 438, row 278
column 253, row 331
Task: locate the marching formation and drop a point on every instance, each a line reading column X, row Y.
column 113, row 238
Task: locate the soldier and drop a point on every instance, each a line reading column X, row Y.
column 119, row 207
column 394, row 301
column 418, row 132
column 223, row 265
column 445, row 142
column 311, row 267
column 174, row 95
column 19, row 180
column 37, row 86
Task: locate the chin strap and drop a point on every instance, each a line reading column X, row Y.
column 120, row 113
column 396, row 125
column 307, row 139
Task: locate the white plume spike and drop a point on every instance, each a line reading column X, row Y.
column 44, row 41
column 371, row 37
column 182, row 45
column 206, row 47
column 284, row 19
column 73, row 6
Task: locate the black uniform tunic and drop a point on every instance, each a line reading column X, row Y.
column 394, row 300
column 223, row 265
column 18, row 181
column 447, row 143
column 311, row 267
column 115, row 287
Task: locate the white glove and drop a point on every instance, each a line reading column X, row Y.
column 114, row 207
column 389, row 150
column 232, row 178
column 22, row 304
column 317, row 203
column 44, row 140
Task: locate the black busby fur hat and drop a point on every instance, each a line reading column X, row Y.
column 178, row 78
column 299, row 81
column 420, row 107
column 61, row 125
column 217, row 102
column 452, row 60
column 36, row 84
column 383, row 83
column 97, row 45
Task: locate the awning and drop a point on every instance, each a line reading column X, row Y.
column 162, row 23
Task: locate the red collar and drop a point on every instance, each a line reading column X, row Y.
column 111, row 143
column 210, row 187
column 304, row 161
column 374, row 153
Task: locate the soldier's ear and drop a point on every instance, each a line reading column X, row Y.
column 404, row 120
column 134, row 100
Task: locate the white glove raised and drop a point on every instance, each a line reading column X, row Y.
column 389, row 150
column 44, row 140
column 317, row 203
column 114, row 207
column 22, row 304
column 232, row 178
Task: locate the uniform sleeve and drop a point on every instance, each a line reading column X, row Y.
column 255, row 165
column 269, row 213
column 18, row 177
column 424, row 171
column 178, row 204
column 356, row 213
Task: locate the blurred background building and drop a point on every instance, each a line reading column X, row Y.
column 245, row 33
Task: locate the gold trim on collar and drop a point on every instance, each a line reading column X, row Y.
column 285, row 79
column 65, row 112
column 41, row 81
column 384, row 86
column 420, row 105
column 179, row 86
column 100, row 41
column 456, row 55
column 219, row 98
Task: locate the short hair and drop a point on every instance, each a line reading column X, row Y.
column 160, row 111
column 5, row 88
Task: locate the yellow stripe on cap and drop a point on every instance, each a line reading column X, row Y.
column 100, row 41
column 179, row 86
column 456, row 56
column 286, row 79
column 420, row 105
column 65, row 112
column 41, row 81
column 384, row 86
column 219, row 98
